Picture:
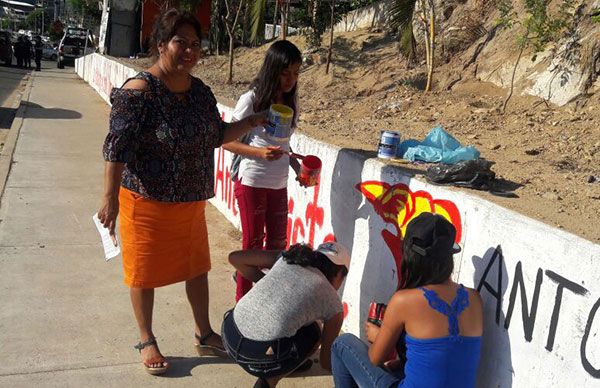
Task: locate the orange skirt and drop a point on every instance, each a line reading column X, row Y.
column 162, row 242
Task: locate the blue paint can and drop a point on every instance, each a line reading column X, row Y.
column 388, row 145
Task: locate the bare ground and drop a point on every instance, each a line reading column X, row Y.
column 549, row 155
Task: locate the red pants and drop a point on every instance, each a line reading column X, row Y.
column 263, row 214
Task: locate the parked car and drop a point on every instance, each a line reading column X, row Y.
column 73, row 44
column 49, row 52
column 6, row 48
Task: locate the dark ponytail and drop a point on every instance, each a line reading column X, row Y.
column 303, row 255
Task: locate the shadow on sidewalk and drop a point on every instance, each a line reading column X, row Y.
column 6, row 117
column 182, row 366
column 36, row 111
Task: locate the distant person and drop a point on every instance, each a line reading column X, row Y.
column 437, row 321
column 39, row 50
column 27, row 52
column 19, row 49
column 260, row 184
column 275, row 327
column 159, row 173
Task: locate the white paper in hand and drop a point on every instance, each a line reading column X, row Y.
column 110, row 249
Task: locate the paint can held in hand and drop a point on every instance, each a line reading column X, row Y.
column 280, row 122
column 376, row 313
column 388, row 145
column 310, row 171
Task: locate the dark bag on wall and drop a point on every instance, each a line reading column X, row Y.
column 474, row 174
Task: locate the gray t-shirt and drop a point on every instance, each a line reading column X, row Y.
column 287, row 298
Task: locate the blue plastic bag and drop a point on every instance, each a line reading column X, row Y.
column 437, row 147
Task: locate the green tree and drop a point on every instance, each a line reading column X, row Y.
column 313, row 14
column 217, row 35
column 232, row 15
column 86, row 11
column 33, row 17
column 400, row 18
column 595, row 14
column 88, row 7
column 539, row 25
column 314, row 17
column 257, row 21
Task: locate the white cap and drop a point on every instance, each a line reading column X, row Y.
column 336, row 252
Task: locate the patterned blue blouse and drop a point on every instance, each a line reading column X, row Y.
column 166, row 140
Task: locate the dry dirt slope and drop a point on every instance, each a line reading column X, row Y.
column 550, row 155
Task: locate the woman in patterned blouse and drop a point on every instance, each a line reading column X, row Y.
column 164, row 126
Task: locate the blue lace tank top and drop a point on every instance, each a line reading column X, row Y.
column 447, row 362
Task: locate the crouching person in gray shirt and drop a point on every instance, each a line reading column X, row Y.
column 273, row 329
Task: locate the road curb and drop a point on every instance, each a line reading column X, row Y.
column 6, row 155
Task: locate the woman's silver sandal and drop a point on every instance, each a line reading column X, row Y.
column 155, row 360
column 208, row 350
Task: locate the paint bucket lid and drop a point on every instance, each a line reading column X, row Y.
column 283, row 110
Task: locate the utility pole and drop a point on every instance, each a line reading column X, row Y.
column 56, row 8
column 103, row 28
column 43, row 16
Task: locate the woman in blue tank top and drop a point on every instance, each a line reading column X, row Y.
column 438, row 321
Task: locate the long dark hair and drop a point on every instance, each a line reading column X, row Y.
column 279, row 57
column 303, row 255
column 167, row 24
column 418, row 270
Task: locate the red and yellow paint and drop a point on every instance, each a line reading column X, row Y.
column 397, row 205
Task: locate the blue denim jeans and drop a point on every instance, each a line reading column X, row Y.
column 287, row 354
column 352, row 368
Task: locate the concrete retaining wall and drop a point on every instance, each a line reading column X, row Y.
column 102, row 73
column 373, row 15
column 539, row 284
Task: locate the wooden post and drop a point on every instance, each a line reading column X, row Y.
column 431, row 43
column 275, row 18
column 286, row 9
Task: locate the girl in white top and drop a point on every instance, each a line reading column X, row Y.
column 261, row 183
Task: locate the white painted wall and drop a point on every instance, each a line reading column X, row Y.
column 366, row 17
column 563, row 348
column 102, row 73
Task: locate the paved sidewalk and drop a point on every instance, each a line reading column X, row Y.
column 66, row 319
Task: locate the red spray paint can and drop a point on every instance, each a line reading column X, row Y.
column 376, row 313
